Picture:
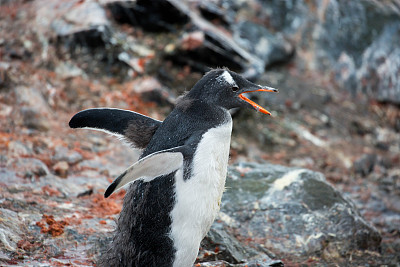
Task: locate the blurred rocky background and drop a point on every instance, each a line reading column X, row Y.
column 335, row 124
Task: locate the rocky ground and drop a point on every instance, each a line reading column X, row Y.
column 52, row 210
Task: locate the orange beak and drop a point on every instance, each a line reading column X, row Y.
column 255, row 105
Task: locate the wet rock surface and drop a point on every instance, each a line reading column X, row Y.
column 59, row 58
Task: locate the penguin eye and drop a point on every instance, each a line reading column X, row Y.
column 235, row 88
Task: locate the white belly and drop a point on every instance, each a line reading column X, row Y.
column 198, row 198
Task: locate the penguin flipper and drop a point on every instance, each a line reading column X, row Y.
column 133, row 127
column 154, row 165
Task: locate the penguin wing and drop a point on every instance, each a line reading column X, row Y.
column 133, row 127
column 154, row 165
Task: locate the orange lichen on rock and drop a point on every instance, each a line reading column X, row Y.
column 73, row 220
column 50, row 191
column 103, row 207
column 28, row 245
column 55, row 228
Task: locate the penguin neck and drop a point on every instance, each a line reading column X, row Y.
column 188, row 100
column 203, row 110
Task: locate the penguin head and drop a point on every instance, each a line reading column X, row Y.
column 225, row 88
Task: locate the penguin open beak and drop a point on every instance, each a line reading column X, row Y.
column 255, row 105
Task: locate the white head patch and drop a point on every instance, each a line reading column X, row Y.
column 226, row 77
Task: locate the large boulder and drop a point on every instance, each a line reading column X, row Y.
column 293, row 212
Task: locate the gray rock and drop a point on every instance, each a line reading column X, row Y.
column 387, row 138
column 216, row 48
column 34, row 110
column 294, row 212
column 258, row 40
column 150, row 89
column 345, row 72
column 378, row 75
column 5, row 79
column 92, row 168
column 28, row 167
column 223, row 13
column 220, row 246
column 11, row 229
column 289, row 16
column 61, row 169
column 17, row 148
column 302, row 162
column 343, row 27
column 7, row 176
column 359, row 40
column 68, row 69
column 253, row 47
column 76, row 29
column 61, row 153
column 150, row 15
column 92, row 164
column 81, row 17
column 32, row 118
column 71, row 18
column 365, row 164
column 32, row 97
column 361, row 127
column 82, row 30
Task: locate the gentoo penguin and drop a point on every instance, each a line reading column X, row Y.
column 175, row 187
